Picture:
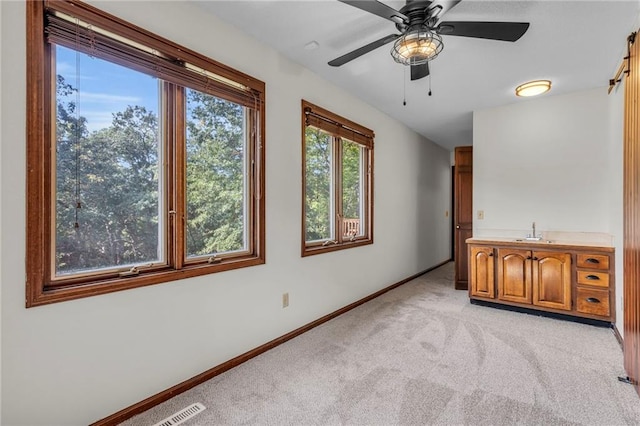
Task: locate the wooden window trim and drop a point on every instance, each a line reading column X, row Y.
column 339, row 127
column 40, row 288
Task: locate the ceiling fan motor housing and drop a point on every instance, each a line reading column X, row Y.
column 419, row 13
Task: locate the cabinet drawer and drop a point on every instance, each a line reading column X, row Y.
column 593, row 261
column 592, row 301
column 598, row 279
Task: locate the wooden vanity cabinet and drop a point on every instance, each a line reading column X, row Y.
column 571, row 280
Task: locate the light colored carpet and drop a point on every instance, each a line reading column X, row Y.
column 421, row 354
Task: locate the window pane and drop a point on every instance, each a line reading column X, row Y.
column 106, row 198
column 318, row 199
column 352, row 180
column 216, row 184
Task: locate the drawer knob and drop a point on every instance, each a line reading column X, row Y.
column 592, row 260
column 592, row 300
column 592, row 277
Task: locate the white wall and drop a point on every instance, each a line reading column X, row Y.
column 543, row 160
column 79, row 361
column 555, row 160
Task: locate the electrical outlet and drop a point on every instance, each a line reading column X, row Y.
column 285, row 300
column 480, row 214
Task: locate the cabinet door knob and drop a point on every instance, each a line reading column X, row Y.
column 490, row 254
column 528, row 257
column 535, row 258
column 592, row 300
column 592, row 277
column 457, row 226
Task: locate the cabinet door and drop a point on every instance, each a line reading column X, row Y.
column 552, row 280
column 514, row 275
column 481, row 272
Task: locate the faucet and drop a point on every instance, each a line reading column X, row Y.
column 533, row 236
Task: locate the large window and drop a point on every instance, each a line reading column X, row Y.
column 145, row 159
column 337, row 182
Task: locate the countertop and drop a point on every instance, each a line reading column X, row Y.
column 555, row 244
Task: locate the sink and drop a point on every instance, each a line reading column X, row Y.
column 519, row 240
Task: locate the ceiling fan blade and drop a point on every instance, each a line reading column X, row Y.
column 506, row 31
column 380, row 9
column 438, row 8
column 362, row 50
column 419, row 71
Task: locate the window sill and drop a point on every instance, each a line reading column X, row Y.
column 47, row 294
column 319, row 249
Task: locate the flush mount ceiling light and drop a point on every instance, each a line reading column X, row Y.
column 533, row 88
column 417, row 46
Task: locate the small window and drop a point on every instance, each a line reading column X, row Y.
column 338, row 182
column 145, row 159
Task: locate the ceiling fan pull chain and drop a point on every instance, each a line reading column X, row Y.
column 404, row 86
column 429, row 84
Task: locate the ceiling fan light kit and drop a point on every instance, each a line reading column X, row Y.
column 417, row 46
column 533, row 88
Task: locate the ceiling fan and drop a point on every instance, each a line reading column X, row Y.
column 420, row 26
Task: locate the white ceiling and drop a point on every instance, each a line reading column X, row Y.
column 578, row 45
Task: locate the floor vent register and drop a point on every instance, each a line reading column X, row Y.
column 182, row 415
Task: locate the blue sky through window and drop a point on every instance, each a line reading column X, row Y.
column 104, row 88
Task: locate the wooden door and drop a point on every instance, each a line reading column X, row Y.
column 514, row 275
column 631, row 209
column 551, row 278
column 463, row 212
column 482, row 266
